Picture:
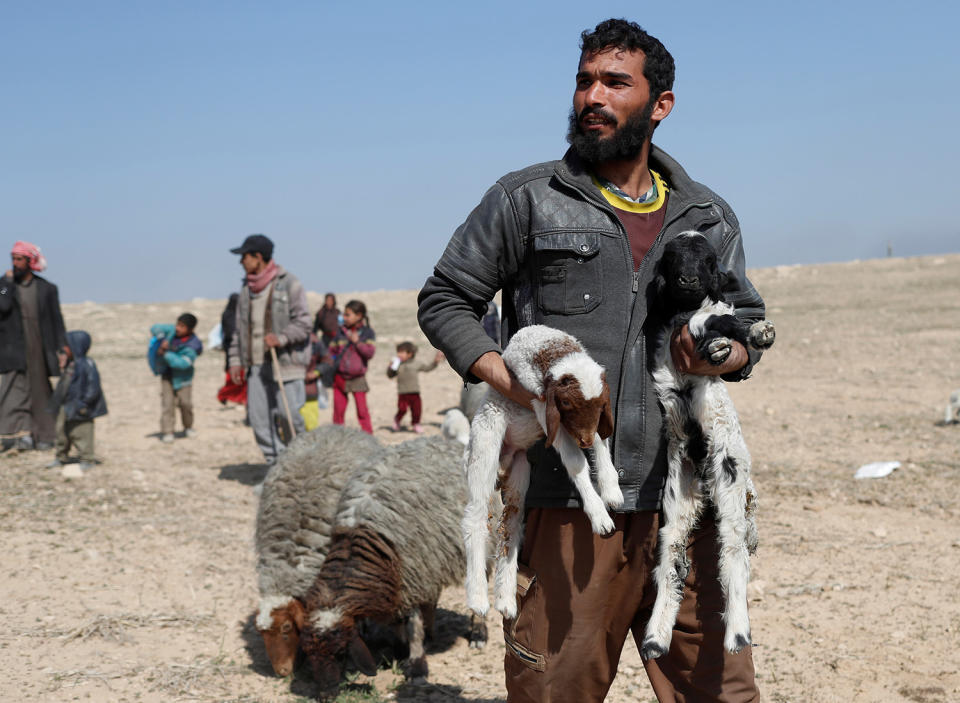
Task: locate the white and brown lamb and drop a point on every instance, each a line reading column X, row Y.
column 708, row 461
column 575, row 414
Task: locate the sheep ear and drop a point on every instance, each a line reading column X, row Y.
column 360, row 655
column 605, row 426
column 298, row 613
column 552, row 412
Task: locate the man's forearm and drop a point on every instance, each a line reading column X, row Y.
column 490, row 368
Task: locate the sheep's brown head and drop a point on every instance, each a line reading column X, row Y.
column 578, row 397
column 280, row 626
column 331, row 641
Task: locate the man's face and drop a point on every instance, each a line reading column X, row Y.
column 21, row 266
column 612, row 106
column 251, row 262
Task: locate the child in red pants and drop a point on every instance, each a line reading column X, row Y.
column 405, row 369
column 351, row 349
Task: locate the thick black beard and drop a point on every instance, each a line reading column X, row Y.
column 624, row 144
column 18, row 274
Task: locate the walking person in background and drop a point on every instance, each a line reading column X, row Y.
column 328, row 319
column 31, row 335
column 176, row 354
column 351, row 349
column 272, row 314
column 76, row 402
column 405, row 368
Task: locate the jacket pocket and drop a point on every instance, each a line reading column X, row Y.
column 569, row 272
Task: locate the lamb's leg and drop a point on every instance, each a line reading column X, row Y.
column 681, row 508
column 416, row 669
column 510, row 536
column 733, row 532
column 578, row 469
column 607, row 479
column 481, row 464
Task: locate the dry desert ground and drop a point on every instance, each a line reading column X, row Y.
column 136, row 582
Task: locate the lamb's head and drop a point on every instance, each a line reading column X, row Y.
column 688, row 272
column 578, row 397
column 331, row 640
column 279, row 621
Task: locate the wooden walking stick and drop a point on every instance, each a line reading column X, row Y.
column 283, row 394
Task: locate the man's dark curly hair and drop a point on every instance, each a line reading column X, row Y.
column 658, row 66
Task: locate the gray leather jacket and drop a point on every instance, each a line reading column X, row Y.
column 548, row 239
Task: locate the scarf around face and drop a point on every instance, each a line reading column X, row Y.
column 258, row 281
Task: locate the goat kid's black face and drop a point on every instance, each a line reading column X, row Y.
column 688, row 273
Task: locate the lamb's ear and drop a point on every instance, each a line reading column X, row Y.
column 605, row 426
column 552, row 412
column 360, row 655
column 297, row 612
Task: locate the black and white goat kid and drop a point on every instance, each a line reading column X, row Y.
column 706, row 453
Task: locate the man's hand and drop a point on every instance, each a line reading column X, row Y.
column 164, row 345
column 271, row 340
column 236, row 375
column 490, row 368
column 8, row 273
column 687, row 360
column 61, row 359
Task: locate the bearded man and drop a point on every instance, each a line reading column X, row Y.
column 574, row 244
column 31, row 337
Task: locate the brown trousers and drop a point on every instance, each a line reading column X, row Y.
column 74, row 434
column 170, row 400
column 581, row 593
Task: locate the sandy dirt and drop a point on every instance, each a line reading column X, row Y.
column 136, row 582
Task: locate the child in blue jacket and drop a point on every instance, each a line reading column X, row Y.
column 77, row 400
column 176, row 349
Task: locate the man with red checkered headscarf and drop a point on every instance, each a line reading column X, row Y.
column 32, row 336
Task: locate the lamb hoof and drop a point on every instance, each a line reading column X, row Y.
column 652, row 650
column 602, row 524
column 739, row 642
column 478, row 644
column 417, row 671
column 507, row 608
column 612, row 498
column 718, row 350
column 762, row 334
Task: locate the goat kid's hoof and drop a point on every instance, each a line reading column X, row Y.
column 737, row 643
column 507, row 608
column 612, row 498
column 718, row 350
column 652, row 650
column 602, row 524
column 762, row 334
column 478, row 644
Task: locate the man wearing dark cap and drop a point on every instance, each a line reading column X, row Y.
column 272, row 313
column 31, row 336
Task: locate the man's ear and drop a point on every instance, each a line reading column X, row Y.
column 552, row 412
column 360, row 655
column 605, row 426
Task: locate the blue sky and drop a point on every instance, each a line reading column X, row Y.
column 142, row 140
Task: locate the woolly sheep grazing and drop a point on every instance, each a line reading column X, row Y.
column 575, row 415
column 395, row 547
column 706, row 453
column 295, row 517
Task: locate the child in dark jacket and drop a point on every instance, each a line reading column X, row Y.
column 77, row 400
column 175, row 356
